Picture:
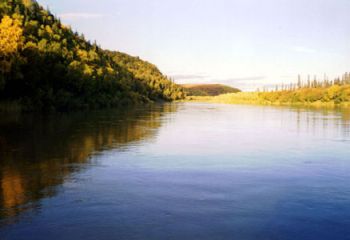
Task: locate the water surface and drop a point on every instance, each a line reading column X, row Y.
column 176, row 171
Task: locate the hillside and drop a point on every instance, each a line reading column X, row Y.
column 45, row 65
column 208, row 89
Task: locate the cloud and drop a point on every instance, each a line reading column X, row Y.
column 301, row 49
column 75, row 16
column 243, row 79
column 202, row 76
column 187, row 76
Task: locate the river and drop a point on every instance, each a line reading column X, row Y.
column 176, row 171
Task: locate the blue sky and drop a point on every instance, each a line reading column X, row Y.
column 243, row 43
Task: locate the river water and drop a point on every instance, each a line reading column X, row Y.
column 176, row 171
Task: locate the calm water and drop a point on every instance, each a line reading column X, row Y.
column 177, row 171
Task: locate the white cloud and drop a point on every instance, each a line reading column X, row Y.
column 188, row 76
column 243, row 79
column 302, row 49
column 75, row 16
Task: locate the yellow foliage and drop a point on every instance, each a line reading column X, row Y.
column 82, row 54
column 10, row 36
column 110, row 70
column 88, row 71
column 27, row 3
column 330, row 97
column 93, row 56
column 99, row 71
column 332, row 91
column 48, row 30
column 10, row 41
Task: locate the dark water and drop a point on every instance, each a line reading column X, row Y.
column 177, row 171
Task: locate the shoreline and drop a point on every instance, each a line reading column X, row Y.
column 316, row 104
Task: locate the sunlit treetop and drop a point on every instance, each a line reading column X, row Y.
column 10, row 35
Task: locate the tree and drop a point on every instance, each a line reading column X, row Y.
column 27, row 3
column 10, row 42
column 299, row 82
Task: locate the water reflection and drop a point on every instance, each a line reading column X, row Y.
column 39, row 152
column 183, row 171
column 324, row 118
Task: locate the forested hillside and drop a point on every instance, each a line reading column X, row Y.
column 208, row 89
column 46, row 65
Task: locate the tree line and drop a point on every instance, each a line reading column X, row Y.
column 310, row 83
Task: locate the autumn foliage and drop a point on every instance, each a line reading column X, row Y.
column 46, row 65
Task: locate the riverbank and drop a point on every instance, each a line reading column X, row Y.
column 306, row 97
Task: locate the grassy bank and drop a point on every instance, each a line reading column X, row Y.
column 333, row 96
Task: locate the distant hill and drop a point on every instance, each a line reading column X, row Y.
column 46, row 65
column 208, row 89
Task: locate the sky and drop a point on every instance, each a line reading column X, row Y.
column 243, row 43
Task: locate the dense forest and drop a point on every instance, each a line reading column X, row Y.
column 208, row 89
column 310, row 92
column 46, row 65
